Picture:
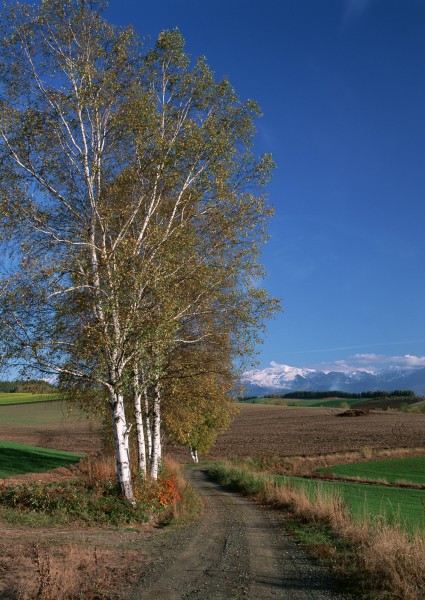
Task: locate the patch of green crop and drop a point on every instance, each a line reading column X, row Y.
column 404, row 506
column 411, row 470
column 39, row 414
column 7, row 398
column 17, row 459
column 326, row 402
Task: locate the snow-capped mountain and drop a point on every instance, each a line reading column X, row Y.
column 276, row 376
column 283, row 378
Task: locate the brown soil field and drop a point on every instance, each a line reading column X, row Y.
column 49, row 425
column 264, row 431
column 257, row 431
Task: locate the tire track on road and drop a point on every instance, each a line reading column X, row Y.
column 236, row 551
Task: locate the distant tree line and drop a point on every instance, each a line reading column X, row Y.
column 34, row 386
column 311, row 395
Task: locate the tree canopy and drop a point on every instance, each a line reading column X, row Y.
column 132, row 211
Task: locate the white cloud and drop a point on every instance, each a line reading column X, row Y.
column 275, row 364
column 371, row 356
column 412, row 361
column 373, row 363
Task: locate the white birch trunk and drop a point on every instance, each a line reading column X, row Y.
column 121, row 432
column 194, row 454
column 156, row 434
column 138, row 417
column 148, row 423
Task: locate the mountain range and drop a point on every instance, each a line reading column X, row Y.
column 282, row 379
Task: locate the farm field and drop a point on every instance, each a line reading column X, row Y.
column 411, row 470
column 389, row 504
column 18, row 459
column 364, row 403
column 48, row 425
column 257, row 431
column 269, row 431
column 7, row 398
column 265, row 431
column 323, row 402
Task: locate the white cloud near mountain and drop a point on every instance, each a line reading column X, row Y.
column 356, row 373
column 372, row 363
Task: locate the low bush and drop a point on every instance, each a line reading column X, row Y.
column 93, row 498
column 101, row 505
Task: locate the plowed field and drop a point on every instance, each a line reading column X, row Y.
column 261, row 430
column 257, row 431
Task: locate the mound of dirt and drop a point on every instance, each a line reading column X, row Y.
column 354, row 412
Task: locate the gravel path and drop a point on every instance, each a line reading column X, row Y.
column 236, row 551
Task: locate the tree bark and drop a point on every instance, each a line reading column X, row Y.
column 194, row 454
column 148, row 423
column 156, row 433
column 121, row 433
column 138, row 416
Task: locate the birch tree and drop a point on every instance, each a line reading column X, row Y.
column 126, row 175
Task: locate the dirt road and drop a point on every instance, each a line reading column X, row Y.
column 236, row 551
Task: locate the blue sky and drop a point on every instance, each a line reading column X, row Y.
column 342, row 87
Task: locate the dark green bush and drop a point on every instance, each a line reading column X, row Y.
column 100, row 505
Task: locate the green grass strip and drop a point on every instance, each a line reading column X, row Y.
column 404, row 506
column 411, row 470
column 17, row 459
column 9, row 398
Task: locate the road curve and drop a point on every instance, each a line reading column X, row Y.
column 235, row 551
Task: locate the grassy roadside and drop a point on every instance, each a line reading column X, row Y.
column 375, row 559
column 389, row 505
column 79, row 539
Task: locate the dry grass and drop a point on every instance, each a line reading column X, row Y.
column 381, row 558
column 188, row 506
column 76, row 564
column 98, row 468
column 61, row 573
column 388, row 555
column 391, row 561
column 367, row 453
